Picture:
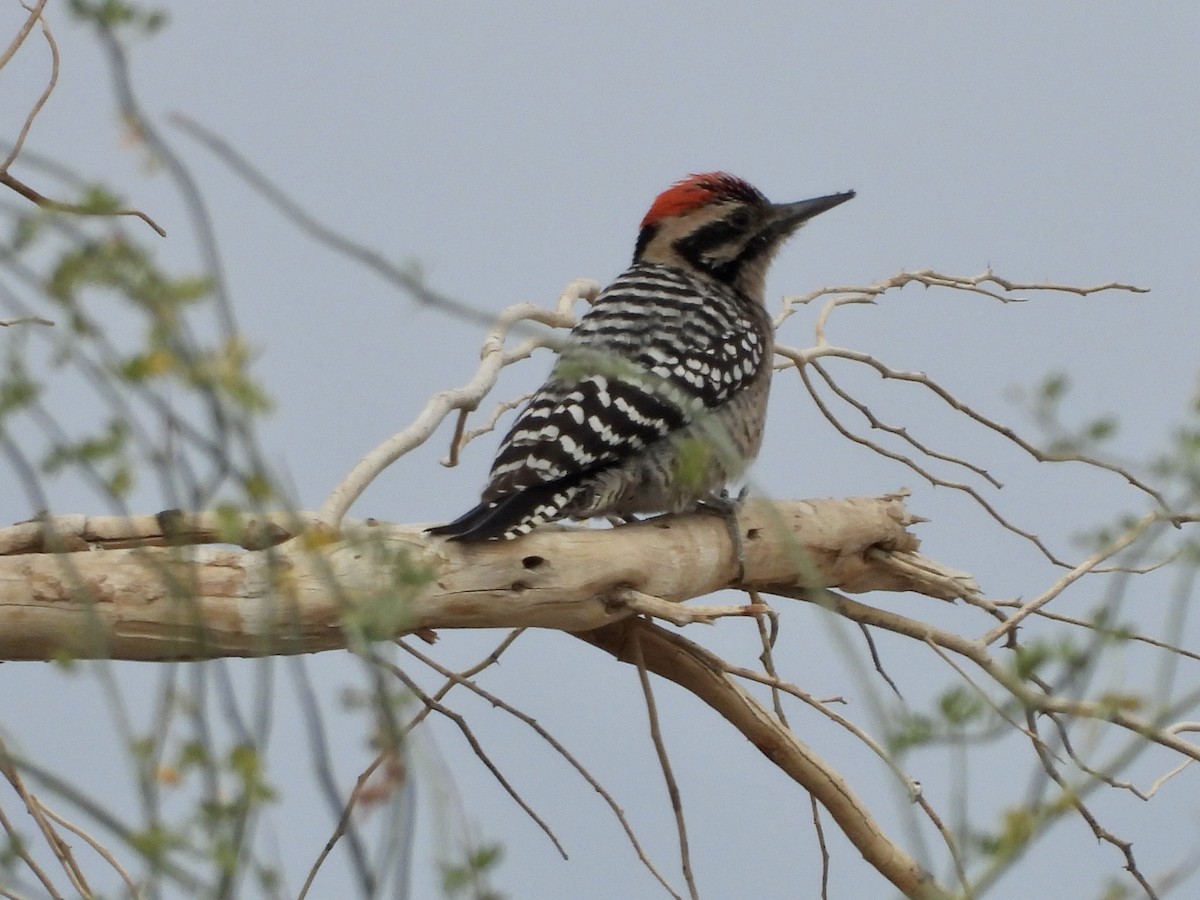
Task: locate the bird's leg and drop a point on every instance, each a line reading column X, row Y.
column 727, row 507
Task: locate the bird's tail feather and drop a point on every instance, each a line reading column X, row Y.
column 512, row 515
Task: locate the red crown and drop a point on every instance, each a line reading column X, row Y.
column 696, row 191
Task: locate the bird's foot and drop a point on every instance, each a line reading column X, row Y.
column 722, row 504
column 626, row 519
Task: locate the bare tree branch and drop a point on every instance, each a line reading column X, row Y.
column 495, row 357
column 155, row 602
column 699, row 671
column 7, row 178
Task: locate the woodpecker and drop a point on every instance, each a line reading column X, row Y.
column 657, row 399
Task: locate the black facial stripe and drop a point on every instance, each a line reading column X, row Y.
column 694, row 247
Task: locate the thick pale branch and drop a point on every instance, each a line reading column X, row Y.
column 71, row 533
column 169, row 602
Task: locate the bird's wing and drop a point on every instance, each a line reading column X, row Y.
column 607, row 398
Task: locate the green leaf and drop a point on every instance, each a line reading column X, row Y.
column 960, row 705
column 912, row 730
column 464, row 877
column 156, row 842
column 17, row 392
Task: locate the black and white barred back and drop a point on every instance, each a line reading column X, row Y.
column 658, row 396
column 652, row 356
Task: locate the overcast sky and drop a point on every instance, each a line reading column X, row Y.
column 508, row 148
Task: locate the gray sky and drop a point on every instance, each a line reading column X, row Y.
column 509, row 148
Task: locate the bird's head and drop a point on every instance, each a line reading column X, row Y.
column 724, row 227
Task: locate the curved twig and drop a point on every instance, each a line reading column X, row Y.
column 495, row 358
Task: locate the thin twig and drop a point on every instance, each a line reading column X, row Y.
column 460, row 423
column 874, row 651
column 930, row 278
column 957, row 405
column 464, row 679
column 768, row 632
column 902, row 432
column 364, row 777
column 817, row 827
column 74, row 209
column 463, row 437
column 476, row 747
column 976, row 652
column 678, row 613
column 1071, row 797
column 1113, row 548
column 664, row 762
column 59, row 847
column 910, row 786
column 14, row 45
column 406, row 280
column 102, row 851
column 440, row 405
column 17, row 846
column 699, row 671
column 45, row 95
column 936, row 481
column 343, row 820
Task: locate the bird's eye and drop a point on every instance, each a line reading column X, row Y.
column 741, row 218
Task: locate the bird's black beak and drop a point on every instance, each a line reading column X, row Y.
column 790, row 216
